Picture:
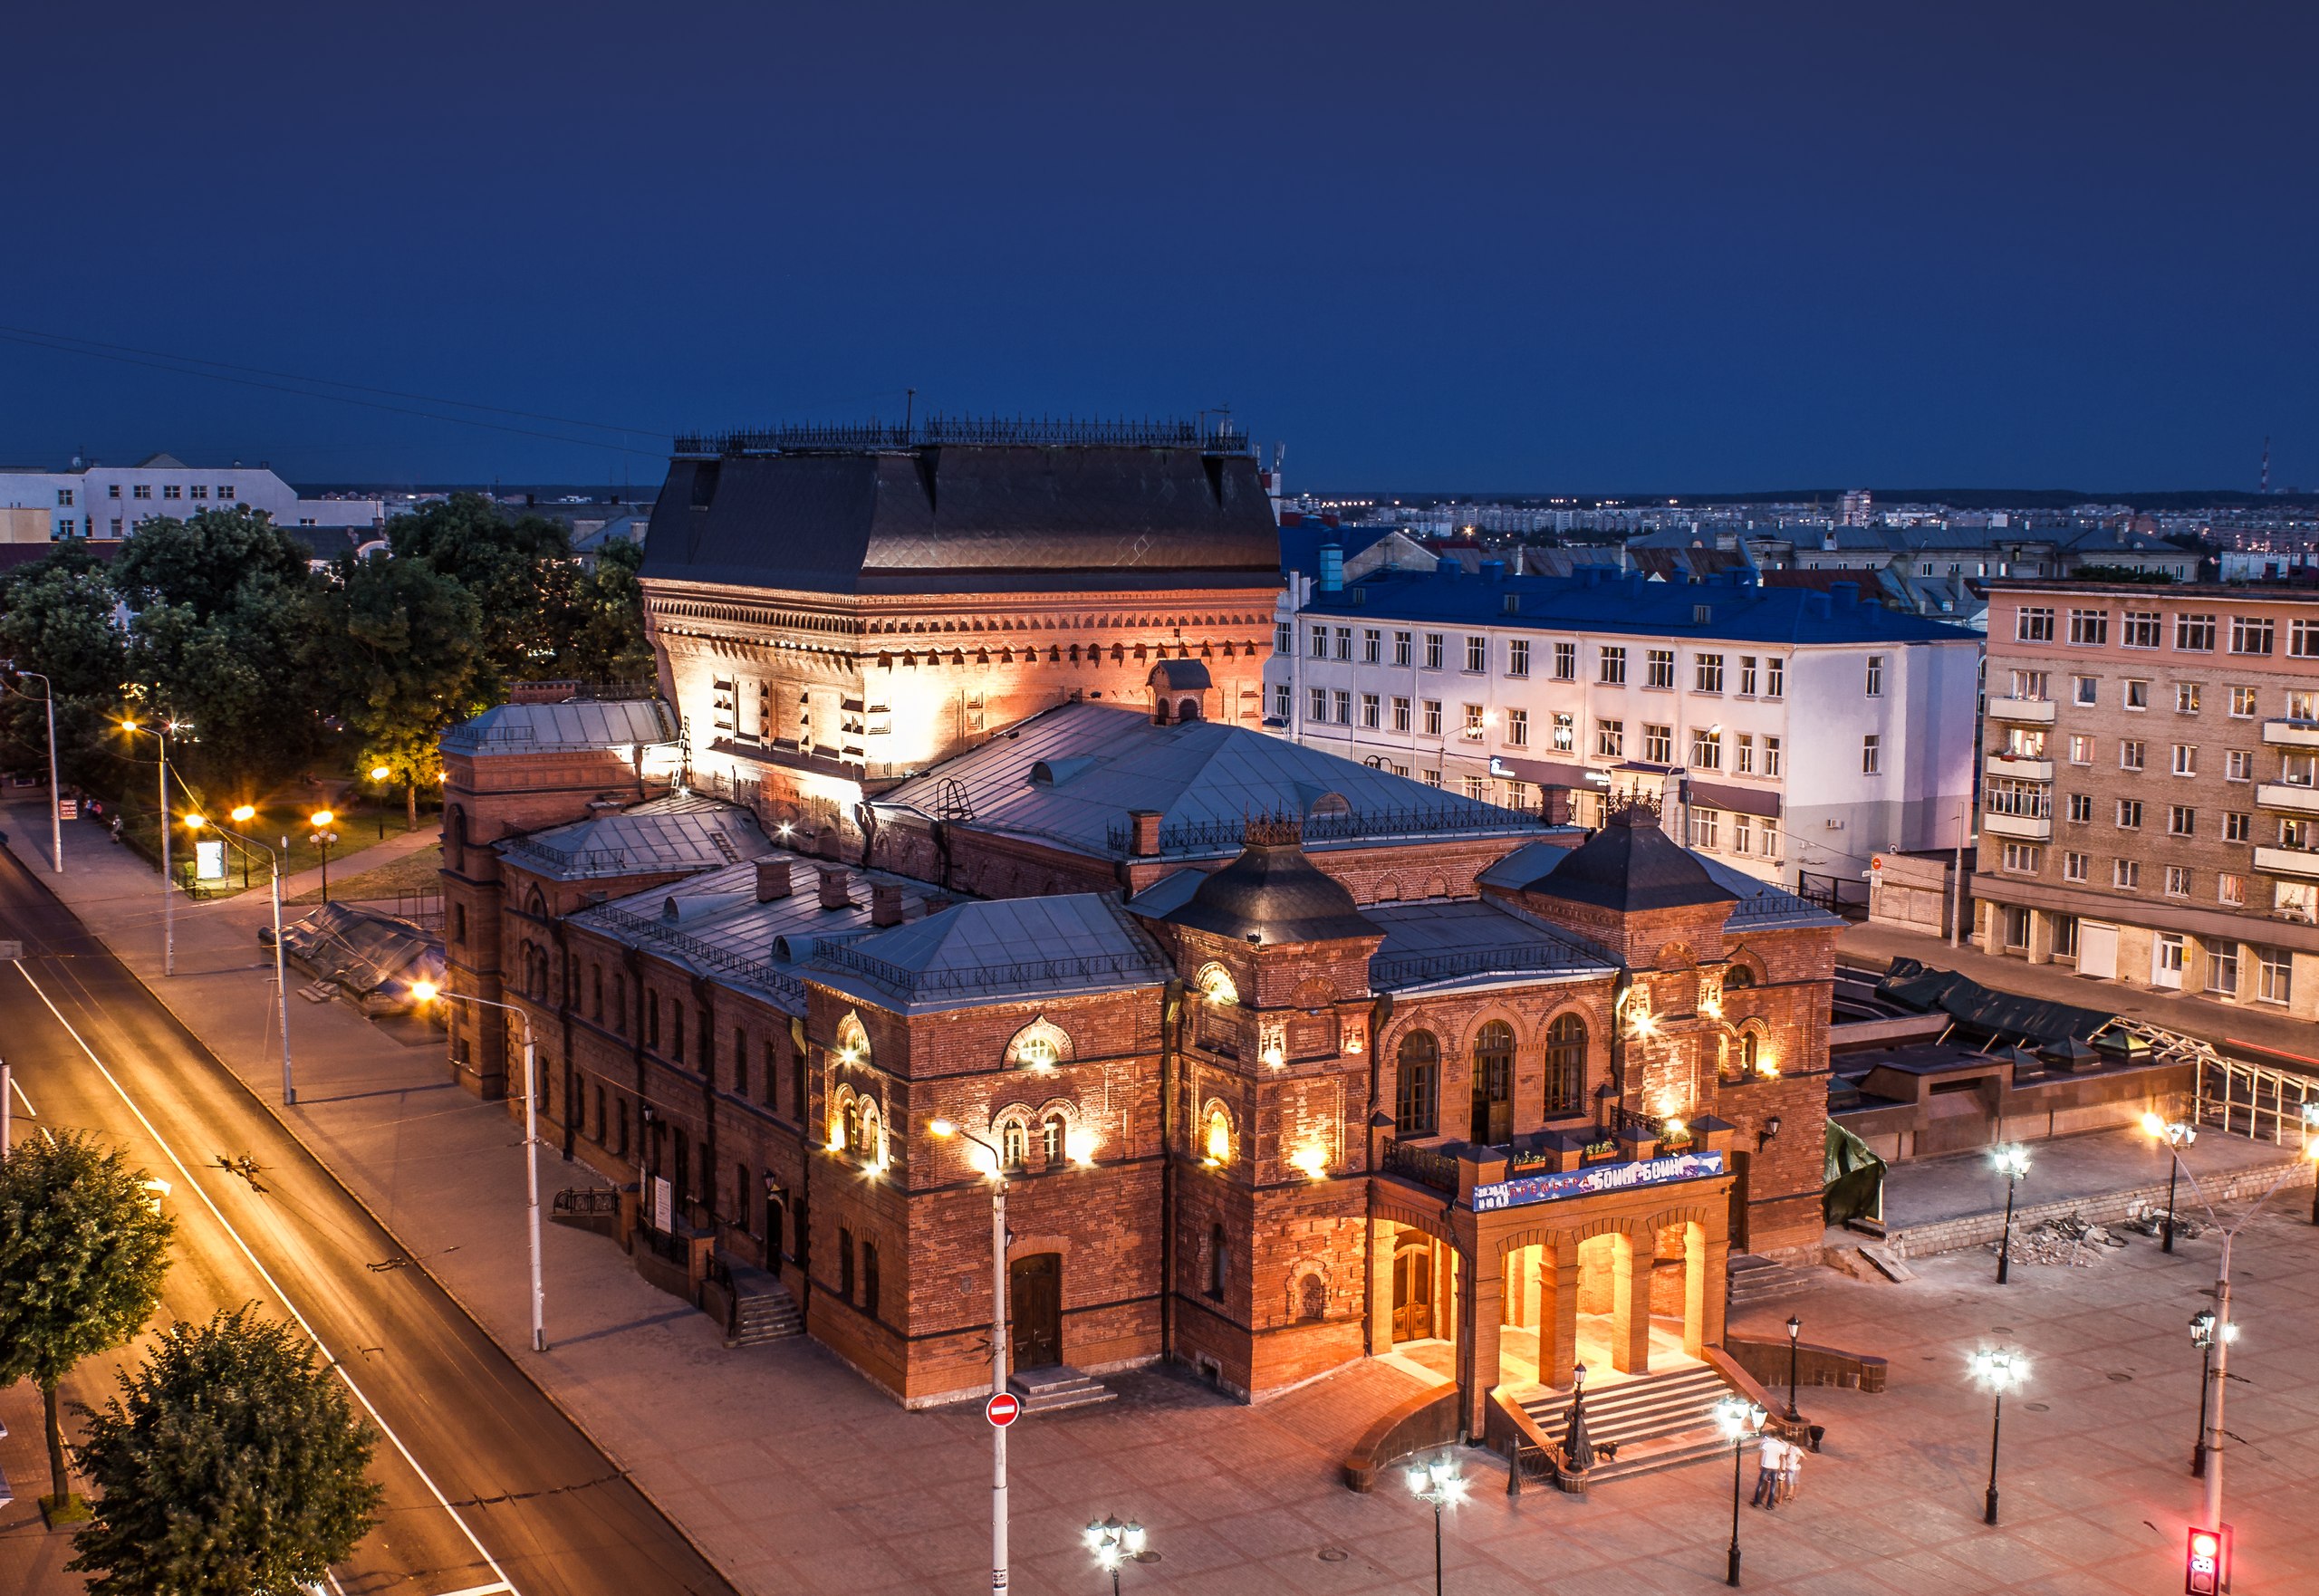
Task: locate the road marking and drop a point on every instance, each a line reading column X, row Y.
column 504, row 1583
column 482, row 1590
column 19, row 1088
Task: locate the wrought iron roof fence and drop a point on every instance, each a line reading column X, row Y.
column 1408, row 969
column 1410, row 821
column 1424, row 1165
column 908, row 982
column 1772, row 905
column 1033, row 430
column 757, row 971
column 592, row 858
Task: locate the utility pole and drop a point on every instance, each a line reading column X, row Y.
column 55, row 797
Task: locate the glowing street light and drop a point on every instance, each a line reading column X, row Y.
column 242, row 815
column 1443, row 1484
column 161, row 734
column 322, row 838
column 1113, row 1543
column 2177, row 1136
column 2204, row 1333
column 2013, row 1163
column 1737, row 1418
column 1996, row 1371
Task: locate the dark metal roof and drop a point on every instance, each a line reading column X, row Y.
column 1632, row 865
column 951, row 518
column 1273, row 893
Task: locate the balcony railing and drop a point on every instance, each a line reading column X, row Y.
column 2294, row 795
column 2033, row 711
column 1426, row 1166
column 2291, row 733
column 2302, row 863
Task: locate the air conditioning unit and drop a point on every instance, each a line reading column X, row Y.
column 1835, row 825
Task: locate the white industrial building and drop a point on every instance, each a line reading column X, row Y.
column 98, row 501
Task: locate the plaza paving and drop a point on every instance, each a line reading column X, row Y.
column 796, row 1477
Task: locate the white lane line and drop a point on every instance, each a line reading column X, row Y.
column 482, row 1590
column 18, row 1086
column 504, row 1584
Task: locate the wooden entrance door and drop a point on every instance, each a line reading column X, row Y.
column 1035, row 1309
column 1413, row 1289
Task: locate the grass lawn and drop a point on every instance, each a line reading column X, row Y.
column 413, row 872
column 358, row 827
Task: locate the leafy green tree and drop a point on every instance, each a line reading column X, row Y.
column 83, row 1251
column 58, row 616
column 401, row 647
column 205, row 561
column 520, row 572
column 231, row 1465
column 606, row 642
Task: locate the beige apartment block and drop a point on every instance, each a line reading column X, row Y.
column 2150, row 803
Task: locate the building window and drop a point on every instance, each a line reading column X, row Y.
column 1871, row 753
column 2237, row 827
column 2085, row 691
column 1476, row 654
column 1015, row 1144
column 1658, row 668
column 2194, row 634
column 1433, row 717
column 2140, row 629
column 1876, row 675
column 2302, row 641
column 1472, row 724
column 1610, row 739
column 2129, row 814
column 1400, row 715
column 2129, row 753
column 1707, row 749
column 1219, row 1261
column 2185, row 697
column 1747, row 676
column 1565, row 1066
column 2230, row 891
column 1433, row 650
column 2250, row 634
column 1477, row 789
column 1743, row 755
column 2034, row 686
column 2178, row 881
column 2089, row 627
column 1565, row 733
column 1517, row 728
column 2137, row 694
column 2237, row 766
column 1517, row 795
column 1417, row 1092
column 1341, row 701
column 1319, row 650
column 1283, row 638
column 1400, row 647
column 2081, row 748
column 1706, row 828
column 1565, row 662
column 1771, row 756
column 1775, row 679
column 2081, row 807
column 112, row 491
column 2023, row 859
column 197, row 491
column 2033, row 625
column 1283, row 705
column 1770, row 847
column 1657, row 743
column 226, row 490
column 1517, row 656
column 1372, row 646
column 1344, row 640
column 1370, row 710
column 1613, row 668
column 1432, row 778
column 1318, row 705
column 2064, row 935
column 2073, row 866
column 2273, row 975
column 2244, row 700
column 2296, row 900
column 172, row 491
column 2186, row 759
column 2125, row 874
column 1707, row 673
column 1739, row 833
column 142, row 491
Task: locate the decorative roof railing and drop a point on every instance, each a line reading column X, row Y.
column 1410, row 969
column 1424, row 1165
column 909, row 983
column 1413, row 821
column 1217, row 438
column 757, row 971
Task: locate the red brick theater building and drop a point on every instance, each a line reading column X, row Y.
column 1288, row 1061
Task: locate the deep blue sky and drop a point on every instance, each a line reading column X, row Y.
column 1542, row 247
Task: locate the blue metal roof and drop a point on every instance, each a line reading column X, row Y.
column 1598, row 601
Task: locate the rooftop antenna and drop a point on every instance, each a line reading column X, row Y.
column 2263, row 485
column 910, row 406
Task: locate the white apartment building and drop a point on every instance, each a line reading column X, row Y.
column 96, row 501
column 1783, row 729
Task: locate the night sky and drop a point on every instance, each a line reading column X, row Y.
column 1572, row 248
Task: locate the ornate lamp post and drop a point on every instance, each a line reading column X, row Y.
column 322, row 838
column 1737, row 1418
column 1113, row 1543
column 1996, row 1371
column 1795, row 1329
column 2177, row 1136
column 2013, row 1163
column 1441, row 1483
column 2203, row 1337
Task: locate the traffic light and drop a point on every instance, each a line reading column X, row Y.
column 2206, row 1561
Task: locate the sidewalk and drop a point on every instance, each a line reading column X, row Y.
column 2218, row 1022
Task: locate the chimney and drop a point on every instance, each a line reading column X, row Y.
column 773, row 879
column 833, row 894
column 885, row 903
column 935, row 902
column 1332, row 568
column 1143, row 825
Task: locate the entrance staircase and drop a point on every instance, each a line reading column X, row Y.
column 762, row 1309
column 1657, row 1421
column 1051, row 1391
column 1754, row 1278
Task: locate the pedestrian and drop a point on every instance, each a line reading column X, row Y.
column 1768, row 1458
column 1791, row 1471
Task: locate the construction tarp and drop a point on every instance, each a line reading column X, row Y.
column 1855, row 1178
column 1999, row 1016
column 373, row 956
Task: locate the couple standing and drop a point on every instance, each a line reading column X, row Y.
column 1778, row 1465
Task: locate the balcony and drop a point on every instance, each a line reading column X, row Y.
column 2291, row 733
column 2027, row 770
column 2029, row 827
column 2300, row 864
column 2033, row 711
column 2282, row 795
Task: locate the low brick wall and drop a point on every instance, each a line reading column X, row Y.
column 1973, row 1230
column 1766, row 1360
column 1426, row 1421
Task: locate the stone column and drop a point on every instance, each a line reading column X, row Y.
column 1558, row 1319
column 1381, row 1233
column 2041, row 936
column 1704, row 1289
column 1631, row 1306
column 1480, row 1306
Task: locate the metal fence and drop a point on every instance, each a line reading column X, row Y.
column 1028, row 430
column 1424, row 1165
column 1414, row 820
column 1040, row 972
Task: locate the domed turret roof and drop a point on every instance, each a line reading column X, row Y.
column 1276, row 894
column 1632, row 865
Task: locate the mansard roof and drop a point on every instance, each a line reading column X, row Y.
column 682, row 831
column 952, row 518
column 615, row 724
column 995, row 952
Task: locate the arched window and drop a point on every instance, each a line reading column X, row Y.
column 1216, row 1147
column 853, row 1041
column 1219, row 1261
column 1417, row 1099
column 1216, row 983
column 1013, row 1143
column 1052, row 1140
column 868, row 1143
column 850, row 1132
column 1040, row 1045
column 1492, row 1084
column 1737, row 976
column 1748, row 1054
column 1313, row 1298
column 1565, row 1066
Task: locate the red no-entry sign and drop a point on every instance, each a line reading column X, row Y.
column 1003, row 1409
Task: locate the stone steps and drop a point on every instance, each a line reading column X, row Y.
column 1052, row 1390
column 1752, row 1279
column 762, row 1309
column 1656, row 1422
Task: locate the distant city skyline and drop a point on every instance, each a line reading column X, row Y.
column 1669, row 251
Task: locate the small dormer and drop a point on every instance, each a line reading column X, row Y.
column 1179, row 690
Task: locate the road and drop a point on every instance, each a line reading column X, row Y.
column 489, row 1487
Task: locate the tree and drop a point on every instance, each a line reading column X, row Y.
column 83, row 1250
column 205, row 561
column 57, row 617
column 522, row 573
column 401, row 650
column 231, row 1464
column 607, row 641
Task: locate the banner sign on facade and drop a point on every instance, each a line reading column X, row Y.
column 1548, row 1188
column 664, row 1206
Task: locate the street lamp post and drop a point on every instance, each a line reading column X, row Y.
column 1794, row 1329
column 160, row 736
column 1996, row 1371
column 322, row 838
column 945, row 1128
column 1113, row 1543
column 2202, row 1336
column 2176, row 1135
column 244, row 813
column 55, row 796
column 1737, row 1418
column 2013, row 1163
column 1443, row 1484
column 427, row 992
